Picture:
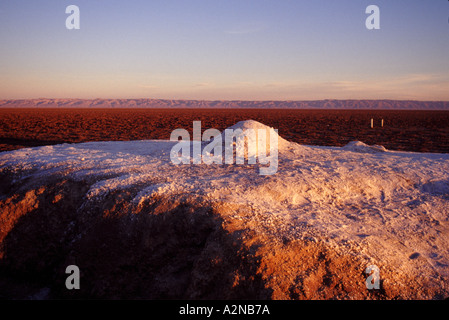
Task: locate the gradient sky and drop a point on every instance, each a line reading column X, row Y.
column 227, row 49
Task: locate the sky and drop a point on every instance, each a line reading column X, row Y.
column 225, row 50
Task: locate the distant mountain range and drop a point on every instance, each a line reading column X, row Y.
column 223, row 104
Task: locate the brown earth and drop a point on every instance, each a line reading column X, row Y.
column 407, row 130
column 177, row 248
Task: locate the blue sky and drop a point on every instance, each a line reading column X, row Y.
column 210, row 49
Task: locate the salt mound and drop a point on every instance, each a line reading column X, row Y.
column 256, row 126
column 358, row 146
column 249, row 124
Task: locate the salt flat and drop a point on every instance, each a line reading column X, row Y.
column 381, row 207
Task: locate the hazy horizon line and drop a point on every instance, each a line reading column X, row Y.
column 151, row 103
column 226, row 100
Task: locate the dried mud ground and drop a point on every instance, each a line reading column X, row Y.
column 405, row 130
column 184, row 247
